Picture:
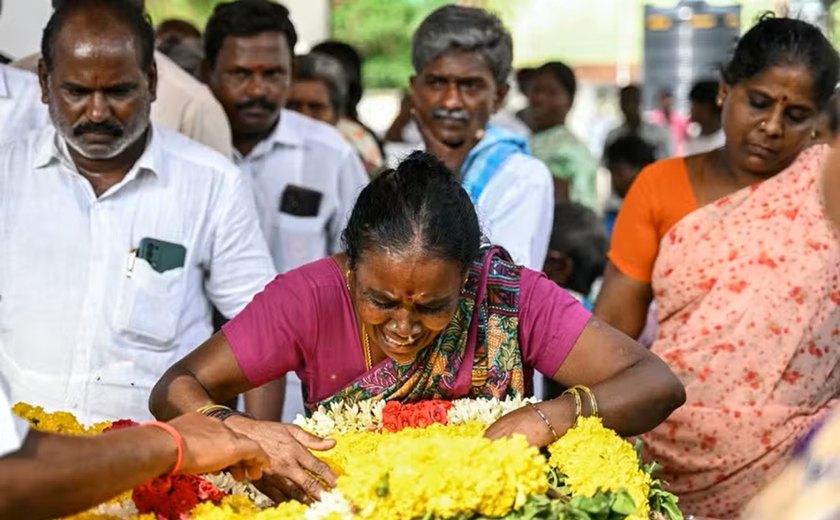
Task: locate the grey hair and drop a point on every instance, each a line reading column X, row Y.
column 453, row 29
column 317, row 66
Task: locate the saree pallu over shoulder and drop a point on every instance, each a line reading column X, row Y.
column 476, row 355
column 748, row 296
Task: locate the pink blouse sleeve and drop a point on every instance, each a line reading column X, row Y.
column 550, row 322
column 266, row 336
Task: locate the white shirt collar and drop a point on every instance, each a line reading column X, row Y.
column 283, row 135
column 51, row 148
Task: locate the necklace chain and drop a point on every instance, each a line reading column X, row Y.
column 362, row 330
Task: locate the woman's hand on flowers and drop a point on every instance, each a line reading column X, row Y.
column 209, row 445
column 294, row 473
column 528, row 422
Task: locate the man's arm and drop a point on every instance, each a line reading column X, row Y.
column 56, row 475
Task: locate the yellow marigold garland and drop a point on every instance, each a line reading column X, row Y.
column 594, row 458
column 440, row 470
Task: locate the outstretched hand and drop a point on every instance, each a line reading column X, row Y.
column 210, row 446
column 293, row 473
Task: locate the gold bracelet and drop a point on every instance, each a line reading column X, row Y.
column 209, row 408
column 578, row 404
column 593, row 404
column 545, row 420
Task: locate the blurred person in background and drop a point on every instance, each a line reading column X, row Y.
column 462, row 58
column 363, row 139
column 318, row 88
column 739, row 247
column 624, row 158
column 705, row 114
column 305, row 176
column 21, row 109
column 319, row 91
column 181, row 42
column 523, row 83
column 551, row 93
column 630, row 102
column 183, row 103
column 664, row 115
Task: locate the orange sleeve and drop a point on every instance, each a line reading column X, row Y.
column 659, row 198
column 635, row 244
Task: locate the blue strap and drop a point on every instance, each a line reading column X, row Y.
column 485, row 160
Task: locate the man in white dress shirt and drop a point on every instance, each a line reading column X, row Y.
column 462, row 58
column 21, row 110
column 305, row 176
column 117, row 235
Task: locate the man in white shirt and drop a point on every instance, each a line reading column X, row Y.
column 21, row 109
column 117, row 235
column 306, row 177
column 630, row 102
column 462, row 58
column 183, row 103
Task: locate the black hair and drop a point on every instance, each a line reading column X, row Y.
column 130, row 13
column 775, row 42
column 630, row 149
column 578, row 233
column 420, row 203
column 244, row 18
column 630, row 89
column 562, row 73
column 704, row 92
column 351, row 62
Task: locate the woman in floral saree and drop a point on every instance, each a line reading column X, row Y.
column 746, row 282
column 416, row 309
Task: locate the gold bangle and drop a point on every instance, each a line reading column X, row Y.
column 545, row 420
column 593, row 403
column 578, row 405
column 209, row 408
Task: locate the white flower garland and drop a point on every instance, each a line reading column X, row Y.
column 341, row 418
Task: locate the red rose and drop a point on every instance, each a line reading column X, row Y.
column 438, row 414
column 392, row 407
column 421, row 418
column 121, row 424
column 208, row 492
column 182, row 500
column 391, row 423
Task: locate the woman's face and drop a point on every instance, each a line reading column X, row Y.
column 768, row 119
column 404, row 300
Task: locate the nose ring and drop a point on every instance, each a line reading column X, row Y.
column 763, row 124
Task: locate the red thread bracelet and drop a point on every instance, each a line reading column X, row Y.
column 179, row 441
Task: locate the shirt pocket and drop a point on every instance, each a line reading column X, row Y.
column 149, row 305
column 297, row 240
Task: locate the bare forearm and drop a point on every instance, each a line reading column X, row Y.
column 635, row 401
column 56, row 475
column 266, row 402
column 179, row 392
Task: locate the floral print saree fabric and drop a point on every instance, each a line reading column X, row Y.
column 748, row 295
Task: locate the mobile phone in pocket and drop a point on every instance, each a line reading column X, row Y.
column 161, row 255
column 300, row 201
